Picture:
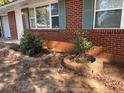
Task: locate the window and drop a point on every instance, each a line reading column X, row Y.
column 108, row 14
column 32, row 18
column 44, row 16
column 54, row 15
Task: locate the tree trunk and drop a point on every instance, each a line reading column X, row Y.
column 92, row 69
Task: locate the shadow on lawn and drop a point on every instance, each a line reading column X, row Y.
column 38, row 76
column 41, row 76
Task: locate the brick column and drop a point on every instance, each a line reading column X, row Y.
column 74, row 14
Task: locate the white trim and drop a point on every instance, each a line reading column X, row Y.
column 38, row 3
column 107, row 28
column 50, row 15
column 110, row 9
column 19, row 23
column 42, row 3
column 35, row 16
column 54, row 15
column 46, row 28
column 94, row 19
column 122, row 16
column 30, row 22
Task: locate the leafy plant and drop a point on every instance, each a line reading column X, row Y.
column 83, row 44
column 31, row 44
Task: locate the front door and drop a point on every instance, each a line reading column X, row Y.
column 12, row 24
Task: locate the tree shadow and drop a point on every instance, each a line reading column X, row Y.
column 28, row 76
column 25, row 75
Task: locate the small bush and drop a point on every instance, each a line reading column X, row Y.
column 15, row 47
column 83, row 44
column 31, row 44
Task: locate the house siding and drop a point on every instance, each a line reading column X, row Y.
column 112, row 40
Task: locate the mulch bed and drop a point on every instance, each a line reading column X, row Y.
column 47, row 75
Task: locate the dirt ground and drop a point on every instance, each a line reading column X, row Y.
column 22, row 74
column 115, row 70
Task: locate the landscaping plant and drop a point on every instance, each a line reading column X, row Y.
column 31, row 44
column 83, row 44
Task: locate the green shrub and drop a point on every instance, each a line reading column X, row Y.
column 83, row 44
column 31, row 44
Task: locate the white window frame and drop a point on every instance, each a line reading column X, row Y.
column 122, row 16
column 50, row 15
column 33, row 18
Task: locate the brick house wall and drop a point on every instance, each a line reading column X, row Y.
column 111, row 40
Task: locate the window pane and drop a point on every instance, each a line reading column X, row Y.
column 31, row 12
column 108, row 19
column 54, row 8
column 43, row 20
column 32, row 23
column 106, row 4
column 55, row 22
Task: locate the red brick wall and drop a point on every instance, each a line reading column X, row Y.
column 112, row 40
column 74, row 14
column 12, row 24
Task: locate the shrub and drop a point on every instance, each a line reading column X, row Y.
column 31, row 44
column 15, row 47
column 83, row 44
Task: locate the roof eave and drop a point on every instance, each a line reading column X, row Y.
column 11, row 4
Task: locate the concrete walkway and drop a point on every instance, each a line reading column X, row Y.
column 9, row 41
